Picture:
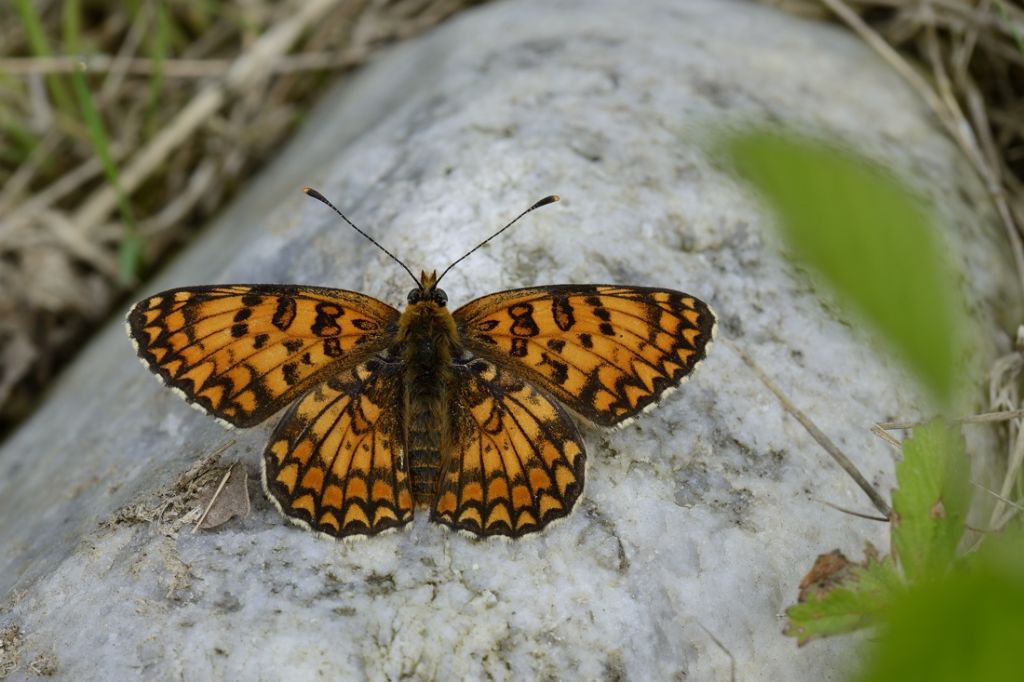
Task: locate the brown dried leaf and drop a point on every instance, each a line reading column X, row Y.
column 224, row 502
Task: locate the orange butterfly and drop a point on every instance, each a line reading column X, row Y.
column 456, row 412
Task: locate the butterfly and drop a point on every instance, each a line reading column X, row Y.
column 468, row 414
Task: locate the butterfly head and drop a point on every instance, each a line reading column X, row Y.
column 426, row 327
column 427, row 291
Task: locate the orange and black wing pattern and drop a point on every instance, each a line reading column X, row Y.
column 335, row 464
column 242, row 352
column 607, row 352
column 516, row 460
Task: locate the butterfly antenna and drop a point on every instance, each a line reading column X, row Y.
column 320, row 197
column 543, row 202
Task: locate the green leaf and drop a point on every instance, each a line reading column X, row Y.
column 856, row 601
column 967, row 626
column 869, row 238
column 931, row 502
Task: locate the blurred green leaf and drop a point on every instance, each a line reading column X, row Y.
column 856, row 601
column 931, row 501
column 869, row 237
column 967, row 626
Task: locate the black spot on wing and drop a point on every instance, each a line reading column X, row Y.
column 284, row 315
column 522, row 320
column 519, row 348
column 291, row 375
column 326, row 322
column 332, row 347
column 562, row 312
column 559, row 370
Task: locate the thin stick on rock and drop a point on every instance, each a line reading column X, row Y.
column 817, row 434
column 984, row 418
column 213, row 500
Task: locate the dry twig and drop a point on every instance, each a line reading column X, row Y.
column 817, row 434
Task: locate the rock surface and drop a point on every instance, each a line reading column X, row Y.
column 696, row 522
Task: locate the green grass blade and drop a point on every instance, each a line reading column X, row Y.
column 40, row 47
column 159, row 44
column 18, row 141
column 130, row 247
column 869, row 238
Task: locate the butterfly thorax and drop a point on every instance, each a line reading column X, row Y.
column 427, row 340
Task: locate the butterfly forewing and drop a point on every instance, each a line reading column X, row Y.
column 607, row 352
column 335, row 461
column 243, row 352
column 516, row 461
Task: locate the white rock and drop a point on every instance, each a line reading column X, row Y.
column 697, row 521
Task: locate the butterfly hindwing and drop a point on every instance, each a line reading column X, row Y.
column 516, row 460
column 607, row 352
column 243, row 352
column 334, row 463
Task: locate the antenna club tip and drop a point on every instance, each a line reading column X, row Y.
column 546, row 200
column 315, row 194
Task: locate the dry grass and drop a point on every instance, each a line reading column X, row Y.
column 126, row 125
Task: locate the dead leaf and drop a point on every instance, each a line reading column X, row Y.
column 828, row 571
column 228, row 500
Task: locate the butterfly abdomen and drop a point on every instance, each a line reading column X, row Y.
column 427, row 333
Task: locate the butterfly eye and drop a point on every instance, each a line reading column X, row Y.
column 440, row 297
column 414, row 296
